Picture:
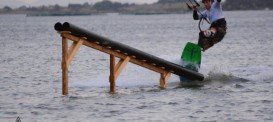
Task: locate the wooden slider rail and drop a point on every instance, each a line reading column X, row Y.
column 115, row 69
column 125, row 53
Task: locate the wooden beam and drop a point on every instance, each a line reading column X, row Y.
column 64, row 66
column 117, row 54
column 120, row 66
column 73, row 50
column 72, row 47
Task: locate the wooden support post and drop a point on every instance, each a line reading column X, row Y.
column 64, row 66
column 163, row 79
column 115, row 70
column 112, row 74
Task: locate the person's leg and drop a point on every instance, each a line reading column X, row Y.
column 204, row 40
column 209, row 37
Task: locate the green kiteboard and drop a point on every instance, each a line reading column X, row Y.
column 191, row 59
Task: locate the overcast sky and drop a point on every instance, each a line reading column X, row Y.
column 17, row 3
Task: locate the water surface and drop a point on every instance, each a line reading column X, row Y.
column 238, row 71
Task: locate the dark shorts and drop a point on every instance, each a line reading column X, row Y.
column 207, row 42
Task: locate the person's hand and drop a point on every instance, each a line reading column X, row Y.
column 207, row 33
column 194, row 8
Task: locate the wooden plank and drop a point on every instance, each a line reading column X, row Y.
column 73, row 51
column 72, row 47
column 148, row 66
column 120, row 66
column 64, row 66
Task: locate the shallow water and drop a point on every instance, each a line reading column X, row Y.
column 238, row 84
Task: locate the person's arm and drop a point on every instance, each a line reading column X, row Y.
column 217, row 4
column 195, row 15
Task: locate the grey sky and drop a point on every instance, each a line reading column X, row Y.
column 17, row 3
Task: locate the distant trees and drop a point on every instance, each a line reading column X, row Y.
column 86, row 5
column 162, row 6
column 170, row 1
column 75, row 6
column 22, row 8
column 109, row 6
column 7, row 9
column 248, row 4
column 56, row 7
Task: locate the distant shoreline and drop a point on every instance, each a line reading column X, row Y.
column 106, row 14
column 104, row 7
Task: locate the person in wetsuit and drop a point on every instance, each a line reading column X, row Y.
column 218, row 27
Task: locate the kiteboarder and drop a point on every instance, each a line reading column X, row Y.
column 218, row 27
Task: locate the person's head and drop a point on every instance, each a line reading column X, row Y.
column 207, row 3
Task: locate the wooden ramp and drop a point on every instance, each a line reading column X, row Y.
column 115, row 49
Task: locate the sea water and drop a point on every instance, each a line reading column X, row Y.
column 238, row 71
